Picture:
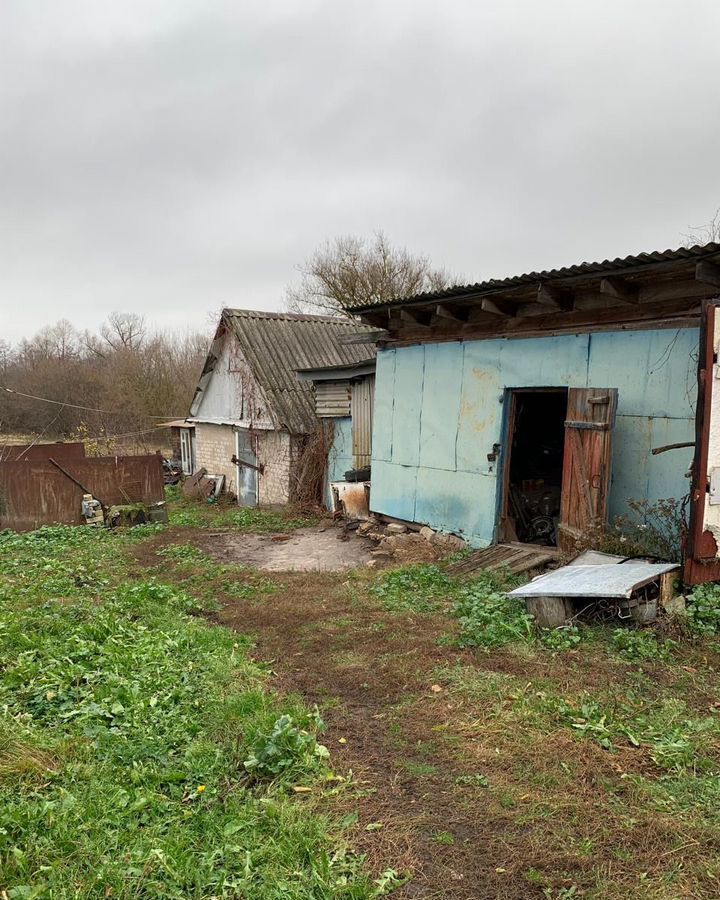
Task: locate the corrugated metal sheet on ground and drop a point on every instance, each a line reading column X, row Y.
column 613, row 580
column 276, row 345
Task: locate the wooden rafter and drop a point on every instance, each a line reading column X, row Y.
column 497, row 307
column 417, row 318
column 454, row 315
column 708, row 273
column 549, row 296
column 619, row 289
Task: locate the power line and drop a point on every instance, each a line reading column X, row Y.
column 77, row 406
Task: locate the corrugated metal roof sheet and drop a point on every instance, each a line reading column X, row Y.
column 276, row 345
column 607, row 266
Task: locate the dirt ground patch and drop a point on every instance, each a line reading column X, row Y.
column 325, row 549
column 452, row 782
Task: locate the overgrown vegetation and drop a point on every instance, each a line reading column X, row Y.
column 140, row 755
column 186, row 513
column 649, row 529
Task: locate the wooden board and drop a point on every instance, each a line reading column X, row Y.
column 513, row 557
column 587, row 462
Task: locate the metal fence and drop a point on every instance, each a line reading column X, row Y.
column 48, row 491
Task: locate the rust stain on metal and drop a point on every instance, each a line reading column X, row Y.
column 35, row 492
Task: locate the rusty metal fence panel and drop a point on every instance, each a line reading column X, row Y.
column 57, row 450
column 40, row 492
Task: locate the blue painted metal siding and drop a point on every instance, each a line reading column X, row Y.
column 439, row 410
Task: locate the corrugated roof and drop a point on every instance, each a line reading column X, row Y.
column 606, row 267
column 276, row 345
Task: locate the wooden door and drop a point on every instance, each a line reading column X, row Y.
column 587, row 462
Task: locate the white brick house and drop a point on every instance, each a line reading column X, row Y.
column 251, row 413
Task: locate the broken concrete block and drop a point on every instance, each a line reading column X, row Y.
column 675, row 605
column 427, row 533
column 396, row 528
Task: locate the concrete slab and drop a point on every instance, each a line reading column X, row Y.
column 304, row 550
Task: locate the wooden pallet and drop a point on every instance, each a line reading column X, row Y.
column 514, row 557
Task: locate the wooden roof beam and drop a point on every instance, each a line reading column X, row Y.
column 619, row 290
column 417, row 319
column 453, row 315
column 550, row 296
column 708, row 273
column 497, row 307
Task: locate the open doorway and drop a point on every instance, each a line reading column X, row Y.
column 533, row 467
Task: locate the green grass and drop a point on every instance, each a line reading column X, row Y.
column 140, row 753
column 228, row 515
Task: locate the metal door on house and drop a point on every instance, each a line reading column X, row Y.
column 187, row 450
column 363, row 397
column 702, row 556
column 587, row 462
column 247, row 473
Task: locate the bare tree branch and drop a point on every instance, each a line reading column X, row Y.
column 349, row 272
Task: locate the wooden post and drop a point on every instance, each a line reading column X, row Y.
column 549, row 612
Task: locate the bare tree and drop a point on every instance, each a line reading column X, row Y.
column 350, row 272
column 6, row 355
column 124, row 331
column 703, row 234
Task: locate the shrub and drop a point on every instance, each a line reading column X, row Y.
column 651, row 529
column 287, row 750
column 703, row 610
column 489, row 618
column 563, row 638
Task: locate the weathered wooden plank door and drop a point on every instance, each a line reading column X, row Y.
column 702, row 556
column 587, row 462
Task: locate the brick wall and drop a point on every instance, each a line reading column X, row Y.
column 215, row 445
column 275, row 453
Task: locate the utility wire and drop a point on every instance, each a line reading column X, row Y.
column 44, row 431
column 77, row 406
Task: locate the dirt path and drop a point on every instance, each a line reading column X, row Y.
column 449, row 782
column 373, row 674
column 322, row 549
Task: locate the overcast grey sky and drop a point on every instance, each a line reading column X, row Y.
column 173, row 156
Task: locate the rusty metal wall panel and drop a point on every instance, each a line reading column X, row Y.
column 59, row 450
column 332, row 399
column 35, row 493
column 363, row 395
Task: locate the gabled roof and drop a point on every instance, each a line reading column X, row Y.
column 276, row 345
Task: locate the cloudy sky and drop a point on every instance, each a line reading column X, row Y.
column 173, row 156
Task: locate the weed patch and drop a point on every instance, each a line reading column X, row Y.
column 703, row 610
column 640, row 646
column 420, row 588
column 140, row 755
column 487, row 617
